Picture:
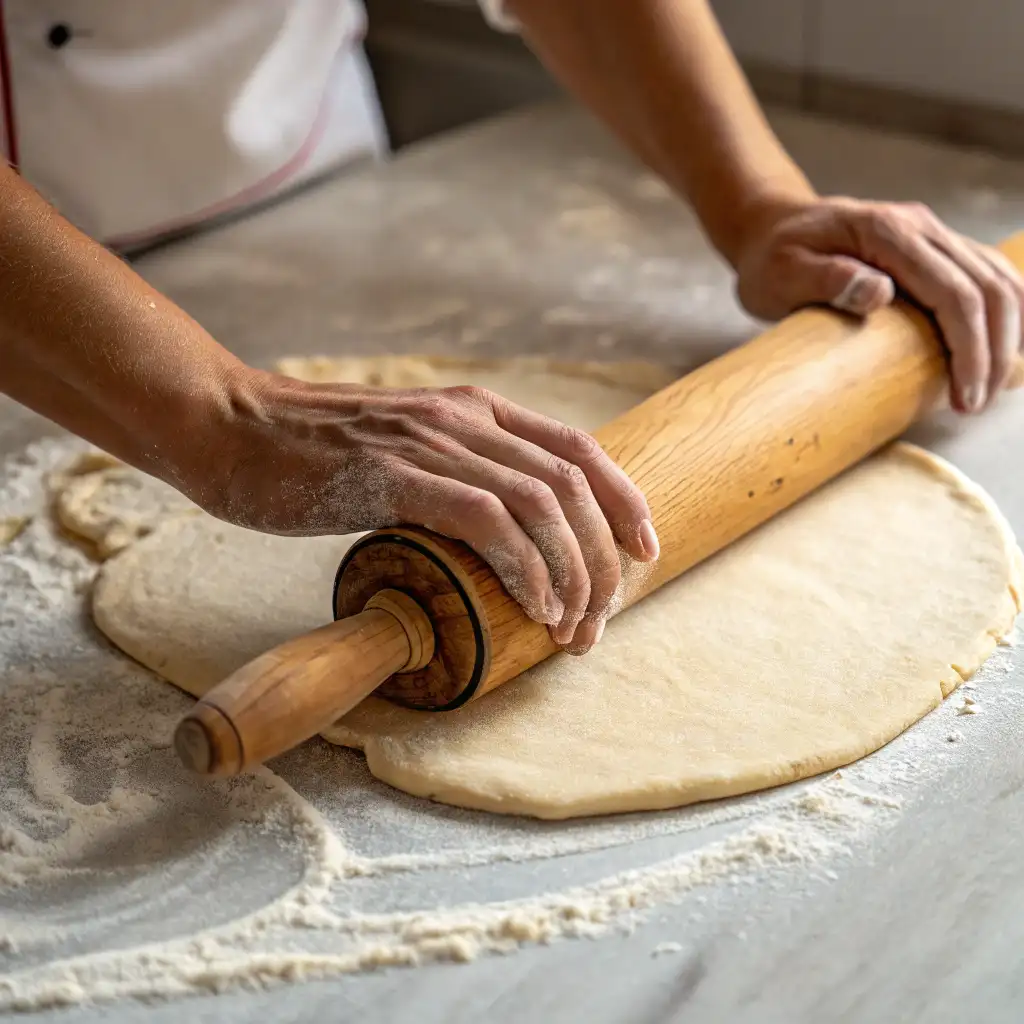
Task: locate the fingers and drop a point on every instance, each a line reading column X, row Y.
column 542, row 503
column 600, row 501
column 852, row 255
column 539, row 513
column 965, row 306
column 1002, row 311
column 621, row 501
column 480, row 519
column 975, row 293
column 1008, row 375
column 551, row 501
column 552, row 485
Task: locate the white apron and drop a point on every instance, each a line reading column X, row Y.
column 138, row 119
column 141, row 118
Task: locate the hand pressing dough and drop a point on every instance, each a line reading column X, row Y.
column 804, row 646
column 108, row 505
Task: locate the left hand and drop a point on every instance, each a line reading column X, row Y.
column 854, row 255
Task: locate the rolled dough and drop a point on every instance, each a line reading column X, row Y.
column 804, row 646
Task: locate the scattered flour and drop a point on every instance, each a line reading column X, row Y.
column 122, row 876
column 667, row 947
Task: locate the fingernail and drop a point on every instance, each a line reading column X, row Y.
column 649, row 540
column 587, row 633
column 853, row 297
column 974, row 397
column 554, row 609
column 577, row 650
column 857, row 296
column 565, row 631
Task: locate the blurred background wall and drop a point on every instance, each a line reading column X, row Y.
column 943, row 68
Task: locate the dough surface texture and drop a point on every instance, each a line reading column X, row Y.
column 804, row 646
column 110, row 505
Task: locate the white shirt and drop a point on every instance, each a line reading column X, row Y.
column 138, row 119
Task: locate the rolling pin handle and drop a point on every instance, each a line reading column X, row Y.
column 205, row 739
column 418, row 630
column 290, row 693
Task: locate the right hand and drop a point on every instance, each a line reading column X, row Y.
column 853, row 255
column 541, row 502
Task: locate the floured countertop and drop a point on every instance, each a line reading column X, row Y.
column 890, row 892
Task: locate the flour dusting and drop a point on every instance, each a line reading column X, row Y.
column 121, row 876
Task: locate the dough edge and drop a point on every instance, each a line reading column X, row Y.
column 674, row 794
column 630, row 374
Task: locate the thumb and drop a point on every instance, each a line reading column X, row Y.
column 847, row 284
column 810, row 278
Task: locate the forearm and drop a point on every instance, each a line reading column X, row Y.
column 88, row 344
column 661, row 75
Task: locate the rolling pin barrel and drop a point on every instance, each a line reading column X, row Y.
column 716, row 453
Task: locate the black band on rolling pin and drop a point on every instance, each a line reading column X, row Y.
column 467, row 692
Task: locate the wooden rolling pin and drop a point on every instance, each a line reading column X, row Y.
column 423, row 621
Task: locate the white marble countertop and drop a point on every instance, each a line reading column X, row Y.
column 535, row 234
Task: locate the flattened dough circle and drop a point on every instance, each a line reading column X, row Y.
column 804, row 646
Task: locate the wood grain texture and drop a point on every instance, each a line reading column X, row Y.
column 430, row 570
column 480, row 634
column 717, row 453
column 290, row 693
column 419, row 630
column 722, row 450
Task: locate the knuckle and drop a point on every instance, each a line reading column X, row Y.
column 479, row 504
column 471, row 393
column 921, row 212
column 967, row 303
column 580, row 446
column 567, row 478
column 534, row 494
column 428, row 406
column 575, row 594
column 886, row 222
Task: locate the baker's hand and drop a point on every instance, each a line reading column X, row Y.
column 854, row 255
column 540, row 502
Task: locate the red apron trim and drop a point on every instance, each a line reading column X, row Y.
column 249, row 195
